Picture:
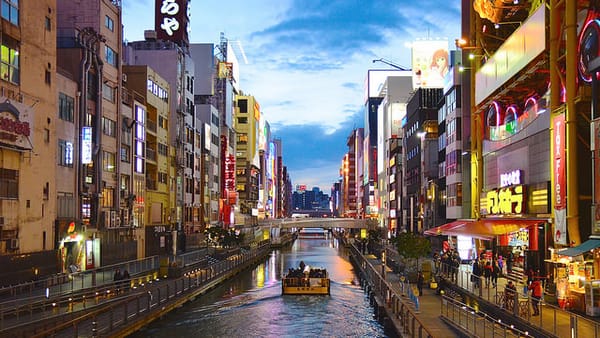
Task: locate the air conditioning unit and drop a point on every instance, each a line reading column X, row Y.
column 13, row 243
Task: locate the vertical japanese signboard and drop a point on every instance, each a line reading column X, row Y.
column 560, row 187
column 86, row 145
column 171, row 21
column 596, row 149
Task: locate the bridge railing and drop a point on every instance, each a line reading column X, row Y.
column 314, row 222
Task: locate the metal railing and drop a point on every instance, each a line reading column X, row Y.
column 551, row 319
column 402, row 312
column 119, row 306
column 65, row 282
column 477, row 324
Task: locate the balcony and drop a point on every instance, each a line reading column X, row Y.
column 150, row 154
column 151, row 126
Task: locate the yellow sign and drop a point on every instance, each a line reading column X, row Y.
column 363, row 233
column 508, row 200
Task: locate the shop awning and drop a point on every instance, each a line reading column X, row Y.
column 582, row 248
column 483, row 228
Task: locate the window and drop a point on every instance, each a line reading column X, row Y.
column 108, row 127
column 46, row 135
column 109, row 23
column 108, row 92
column 163, row 149
column 9, row 64
column 108, row 161
column 125, row 153
column 48, row 24
column 111, row 56
column 242, row 138
column 48, row 77
column 243, row 105
column 65, row 153
column 10, row 11
column 9, row 183
column 66, row 106
column 108, row 197
column 242, row 120
column 162, row 177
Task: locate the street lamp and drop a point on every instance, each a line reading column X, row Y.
column 390, row 63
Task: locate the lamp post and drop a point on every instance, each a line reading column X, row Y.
column 390, row 63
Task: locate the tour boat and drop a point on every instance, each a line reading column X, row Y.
column 312, row 233
column 306, row 281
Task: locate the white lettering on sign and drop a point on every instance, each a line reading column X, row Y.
column 170, row 24
column 511, row 178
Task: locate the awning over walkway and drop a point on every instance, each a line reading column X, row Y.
column 483, row 228
column 582, row 248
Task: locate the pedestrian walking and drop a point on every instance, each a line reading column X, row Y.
column 420, row 282
column 536, row 295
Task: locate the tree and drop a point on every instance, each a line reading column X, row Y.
column 412, row 246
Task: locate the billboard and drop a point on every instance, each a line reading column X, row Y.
column 430, row 63
column 171, row 21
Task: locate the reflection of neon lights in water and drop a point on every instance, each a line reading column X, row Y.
column 260, row 276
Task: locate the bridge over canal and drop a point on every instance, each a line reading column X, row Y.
column 315, row 222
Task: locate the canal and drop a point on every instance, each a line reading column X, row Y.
column 251, row 304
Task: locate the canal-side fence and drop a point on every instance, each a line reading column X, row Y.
column 551, row 319
column 396, row 304
column 126, row 310
column 69, row 282
column 474, row 323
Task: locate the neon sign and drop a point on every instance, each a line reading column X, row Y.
column 507, row 200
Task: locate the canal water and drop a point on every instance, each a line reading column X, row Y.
column 251, row 304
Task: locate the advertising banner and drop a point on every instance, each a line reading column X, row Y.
column 560, row 187
column 430, row 62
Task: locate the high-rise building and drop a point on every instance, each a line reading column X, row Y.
column 89, row 42
column 171, row 60
column 153, row 200
column 28, row 141
column 248, row 170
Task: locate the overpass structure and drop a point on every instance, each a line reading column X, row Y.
column 315, row 222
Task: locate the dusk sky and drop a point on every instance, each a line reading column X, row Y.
column 308, row 60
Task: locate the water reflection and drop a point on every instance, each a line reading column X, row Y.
column 251, row 305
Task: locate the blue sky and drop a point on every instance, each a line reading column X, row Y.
column 307, row 62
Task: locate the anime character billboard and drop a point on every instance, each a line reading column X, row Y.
column 429, row 63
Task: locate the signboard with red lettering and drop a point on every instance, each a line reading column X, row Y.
column 15, row 125
column 171, row 21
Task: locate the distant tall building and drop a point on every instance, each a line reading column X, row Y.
column 246, row 124
column 421, row 133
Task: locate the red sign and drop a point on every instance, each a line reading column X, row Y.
column 560, row 188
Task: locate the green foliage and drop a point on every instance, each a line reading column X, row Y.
column 225, row 238
column 411, row 245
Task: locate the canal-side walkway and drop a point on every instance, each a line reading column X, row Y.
column 118, row 313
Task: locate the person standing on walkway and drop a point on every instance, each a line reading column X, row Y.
column 420, row 282
column 476, row 276
column 118, row 276
column 536, row 295
column 487, row 273
column 495, row 273
column 509, row 262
